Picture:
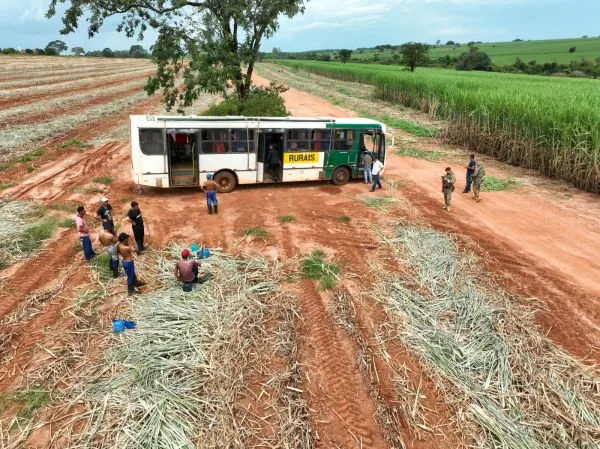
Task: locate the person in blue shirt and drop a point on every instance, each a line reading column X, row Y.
column 470, row 170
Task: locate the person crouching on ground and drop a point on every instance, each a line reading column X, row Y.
column 210, row 187
column 126, row 252
column 186, row 270
column 376, row 172
column 448, row 181
column 108, row 241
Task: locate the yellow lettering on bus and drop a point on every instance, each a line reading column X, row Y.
column 301, row 158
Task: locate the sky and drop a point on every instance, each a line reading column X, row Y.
column 349, row 24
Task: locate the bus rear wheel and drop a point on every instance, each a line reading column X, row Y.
column 225, row 181
column 340, row 176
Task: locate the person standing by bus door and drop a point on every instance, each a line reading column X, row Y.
column 470, row 170
column 84, row 234
column 273, row 162
column 134, row 216
column 367, row 167
column 210, row 187
column 377, row 171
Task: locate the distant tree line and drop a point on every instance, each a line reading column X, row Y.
column 414, row 54
column 55, row 48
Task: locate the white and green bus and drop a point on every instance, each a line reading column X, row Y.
column 176, row 151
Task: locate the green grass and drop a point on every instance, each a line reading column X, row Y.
column 345, row 218
column 34, row 234
column 64, row 207
column 75, row 143
column 491, row 184
column 315, row 267
column 102, row 180
column 87, row 189
column 344, row 91
column 6, row 185
column 6, row 166
column 66, row 223
column 287, row 218
column 32, row 156
column 411, row 127
column 550, row 124
column 28, row 400
column 420, row 154
column 30, row 168
column 100, row 263
column 255, row 231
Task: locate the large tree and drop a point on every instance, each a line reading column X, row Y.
column 56, row 47
column 207, row 44
column 414, row 54
column 345, row 55
column 78, row 51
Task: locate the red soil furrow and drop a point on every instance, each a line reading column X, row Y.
column 78, row 106
column 41, row 96
column 77, row 77
column 46, row 73
column 62, row 176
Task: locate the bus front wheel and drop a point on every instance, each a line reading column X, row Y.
column 340, row 176
column 226, row 181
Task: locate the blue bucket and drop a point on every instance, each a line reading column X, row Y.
column 118, row 325
column 193, row 248
column 130, row 324
column 205, row 253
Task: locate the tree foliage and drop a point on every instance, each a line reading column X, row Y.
column 202, row 45
column 474, row 60
column 56, row 47
column 78, row 51
column 414, row 54
column 345, row 55
column 137, row 51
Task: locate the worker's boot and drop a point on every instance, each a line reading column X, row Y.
column 130, row 289
column 210, row 212
column 216, row 208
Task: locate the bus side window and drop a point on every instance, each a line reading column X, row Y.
column 344, row 140
column 320, row 139
column 242, row 140
column 298, row 140
column 152, row 142
column 215, row 141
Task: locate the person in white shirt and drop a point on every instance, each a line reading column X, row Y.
column 377, row 170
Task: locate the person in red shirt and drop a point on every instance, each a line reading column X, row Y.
column 84, row 233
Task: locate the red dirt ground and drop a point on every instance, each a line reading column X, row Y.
column 537, row 243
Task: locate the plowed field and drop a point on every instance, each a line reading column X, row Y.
column 350, row 374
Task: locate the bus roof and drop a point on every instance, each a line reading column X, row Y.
column 337, row 121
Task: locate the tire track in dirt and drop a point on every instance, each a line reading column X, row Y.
column 53, row 183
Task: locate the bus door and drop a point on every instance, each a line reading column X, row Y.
column 266, row 138
column 367, row 142
column 379, row 146
column 153, row 157
column 182, row 149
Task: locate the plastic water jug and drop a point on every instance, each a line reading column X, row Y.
column 194, row 248
column 205, row 253
column 118, row 325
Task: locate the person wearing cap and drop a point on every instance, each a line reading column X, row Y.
column 186, row 270
column 134, row 216
column 126, row 252
column 84, row 233
column 105, row 214
column 210, row 187
column 448, row 181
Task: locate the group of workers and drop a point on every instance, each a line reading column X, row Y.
column 122, row 246
column 475, row 175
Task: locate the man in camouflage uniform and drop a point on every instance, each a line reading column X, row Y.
column 477, row 179
column 448, row 181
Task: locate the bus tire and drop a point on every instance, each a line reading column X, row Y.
column 226, row 181
column 340, row 176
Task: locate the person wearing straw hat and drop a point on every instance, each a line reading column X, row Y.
column 448, row 181
column 210, row 187
column 126, row 252
column 105, row 214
